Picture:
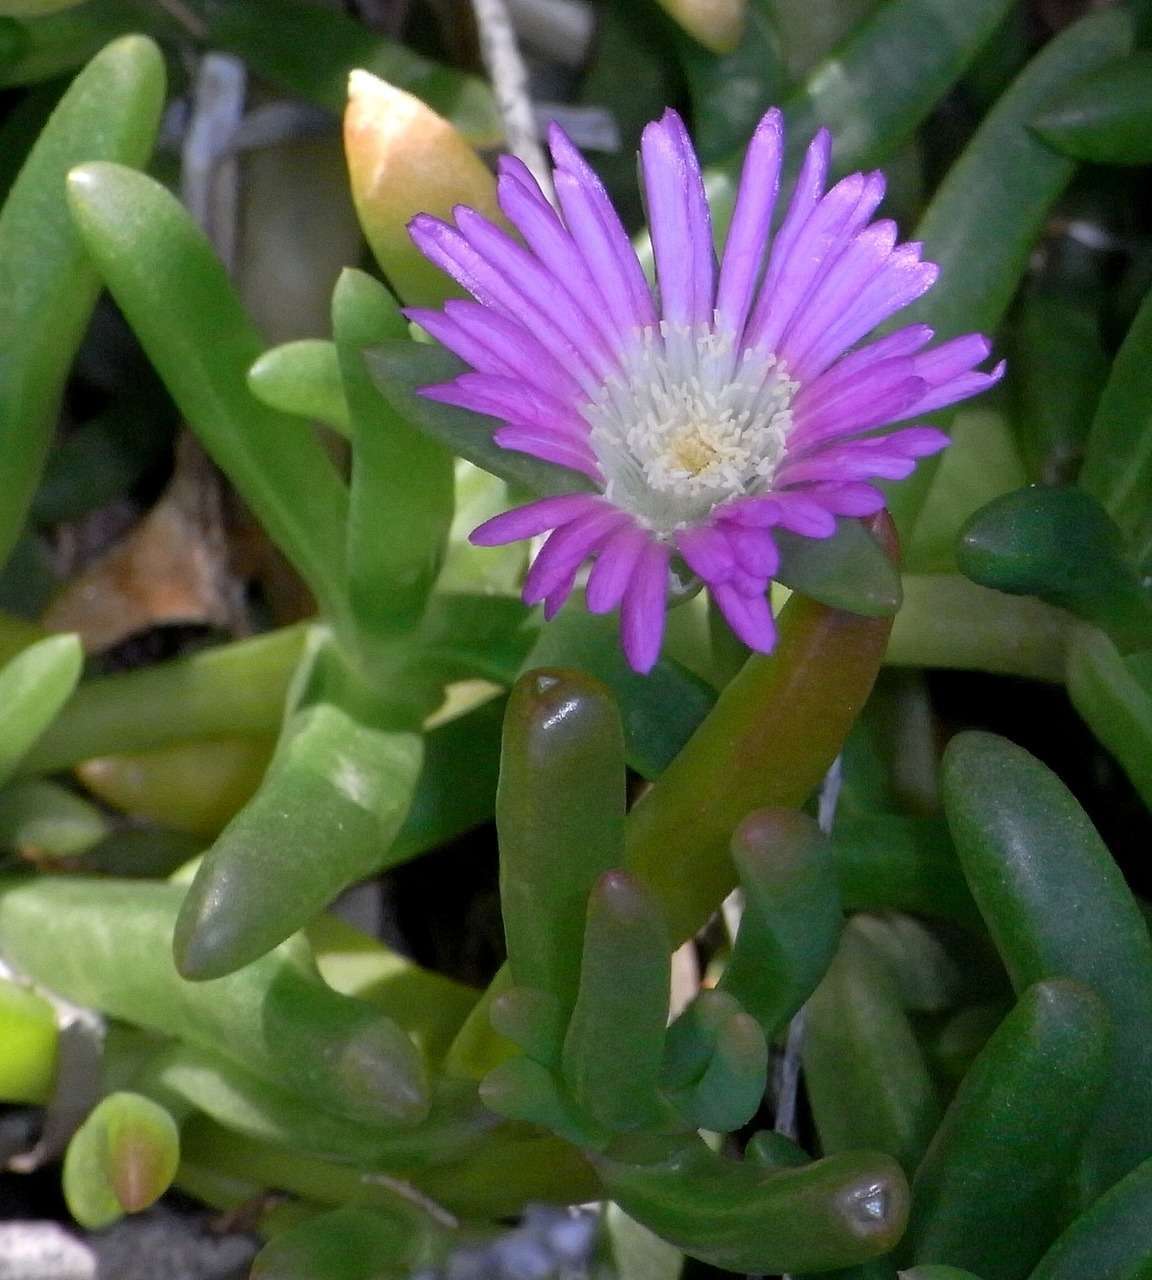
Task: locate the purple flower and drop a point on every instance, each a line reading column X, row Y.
column 734, row 403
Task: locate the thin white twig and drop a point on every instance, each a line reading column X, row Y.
column 505, row 66
column 209, row 173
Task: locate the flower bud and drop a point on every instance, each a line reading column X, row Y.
column 404, row 159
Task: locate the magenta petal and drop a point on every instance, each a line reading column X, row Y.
column 567, row 549
column 916, row 442
column 534, row 518
column 549, row 447
column 805, row 196
column 515, row 346
column 756, row 551
column 755, row 513
column 612, row 571
column 491, row 284
column 817, row 401
column 508, row 398
column 643, row 608
column 751, row 223
column 875, row 186
column 549, row 240
column 749, row 616
column 904, row 342
column 449, row 334
column 805, row 515
column 841, row 285
column 950, row 359
column 597, row 229
column 702, row 256
column 558, row 599
column 818, row 239
column 671, row 179
column 547, row 293
column 707, row 552
column 846, row 463
column 901, row 280
column 960, row 388
column 852, row 498
column 852, row 416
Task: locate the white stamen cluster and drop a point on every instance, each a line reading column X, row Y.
column 688, row 424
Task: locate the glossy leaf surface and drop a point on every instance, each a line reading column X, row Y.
column 336, row 793
column 1028, row 851
column 792, row 916
column 1059, row 544
column 560, row 814
column 835, row 1212
column 866, row 1076
column 121, row 1160
column 987, row 1195
column 768, row 741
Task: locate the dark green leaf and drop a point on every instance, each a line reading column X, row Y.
column 988, row 1193
column 1057, row 907
column 660, row 711
column 1118, row 461
column 47, row 284
column 1059, row 544
column 400, row 369
column 982, row 224
column 848, row 571
column 1104, row 117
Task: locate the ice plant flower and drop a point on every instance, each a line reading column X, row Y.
column 733, row 401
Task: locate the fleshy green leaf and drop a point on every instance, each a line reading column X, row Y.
column 400, row 369
column 176, row 294
column 302, row 378
column 615, row 1041
column 334, row 798
column 1111, row 1239
column 1104, row 117
column 982, row 224
column 34, row 686
column 560, row 814
column 1028, row 850
column 866, row 1076
column 1118, row 460
column 28, row 1033
column 121, row 1160
column 1059, row 544
column 835, row 1212
column 660, row 711
column 848, row 571
column 401, row 496
column 274, row 1018
column 47, row 285
column 987, row 1195
column 792, row 917
column 767, row 743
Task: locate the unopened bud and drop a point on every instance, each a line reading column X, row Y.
column 404, row 159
